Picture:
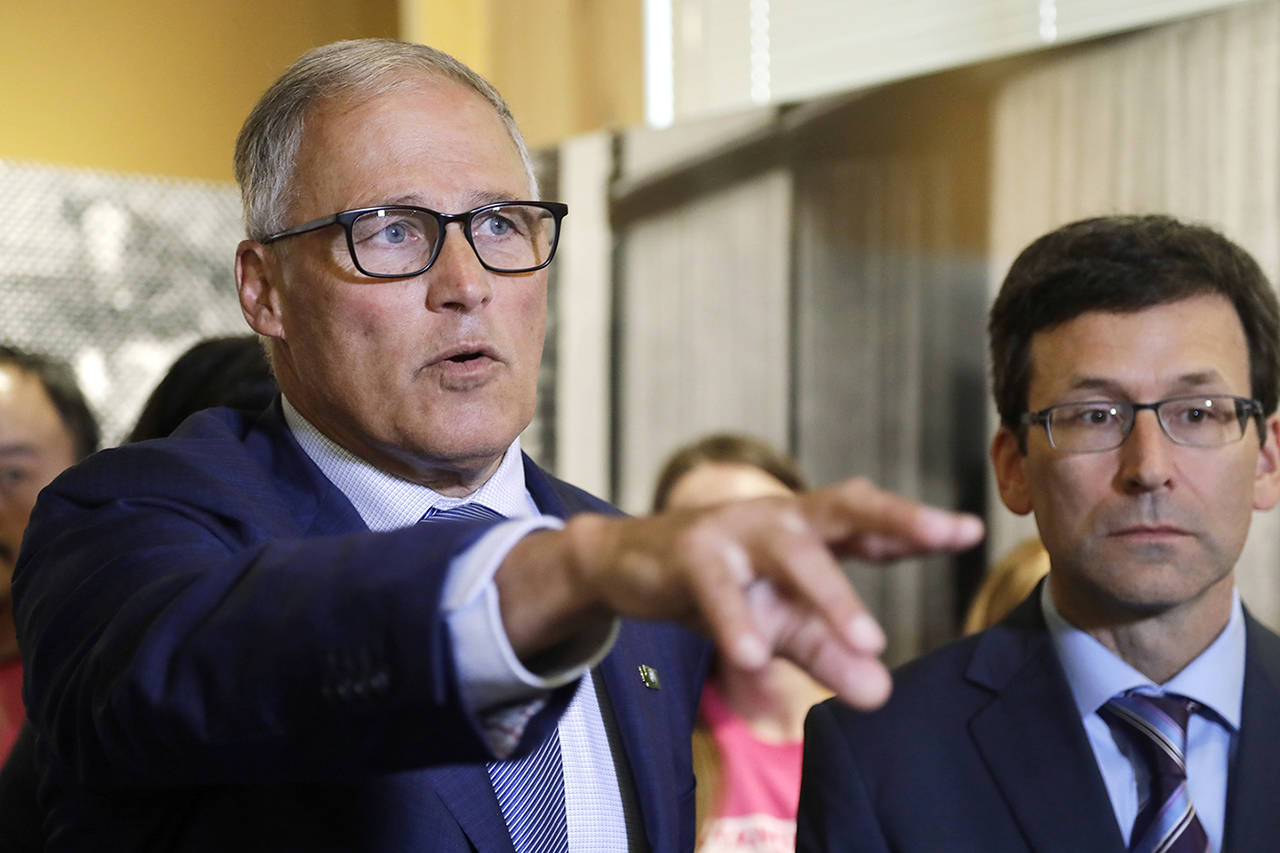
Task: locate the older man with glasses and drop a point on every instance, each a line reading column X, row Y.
column 363, row 619
column 1130, row 703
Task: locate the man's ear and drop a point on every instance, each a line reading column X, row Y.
column 257, row 282
column 1009, row 463
column 1266, row 479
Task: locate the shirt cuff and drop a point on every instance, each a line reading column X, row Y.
column 491, row 677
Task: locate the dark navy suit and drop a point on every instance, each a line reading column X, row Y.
column 221, row 656
column 981, row 748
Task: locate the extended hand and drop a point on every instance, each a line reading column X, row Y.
column 760, row 576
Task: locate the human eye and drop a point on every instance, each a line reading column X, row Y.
column 388, row 229
column 499, row 224
column 1088, row 415
column 12, row 476
column 395, row 232
column 1201, row 411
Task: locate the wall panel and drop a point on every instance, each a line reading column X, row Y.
column 702, row 320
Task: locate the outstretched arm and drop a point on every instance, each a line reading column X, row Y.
column 761, row 577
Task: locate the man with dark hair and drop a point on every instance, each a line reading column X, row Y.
column 364, row 620
column 1130, row 703
column 45, row 427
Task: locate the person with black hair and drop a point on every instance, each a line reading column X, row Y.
column 45, row 426
column 229, row 371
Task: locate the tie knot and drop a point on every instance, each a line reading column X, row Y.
column 1161, row 709
column 1160, row 723
column 462, row 512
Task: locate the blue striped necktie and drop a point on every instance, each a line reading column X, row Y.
column 1157, row 726
column 529, row 790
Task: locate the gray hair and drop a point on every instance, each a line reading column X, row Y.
column 267, row 147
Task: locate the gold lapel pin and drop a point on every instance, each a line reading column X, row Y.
column 649, row 677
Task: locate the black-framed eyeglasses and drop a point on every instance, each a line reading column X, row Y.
column 401, row 241
column 1194, row 420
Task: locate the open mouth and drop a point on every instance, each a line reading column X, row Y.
column 464, row 357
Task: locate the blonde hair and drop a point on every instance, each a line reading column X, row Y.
column 1008, row 582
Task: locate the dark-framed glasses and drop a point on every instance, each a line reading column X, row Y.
column 1193, row 420
column 401, row 241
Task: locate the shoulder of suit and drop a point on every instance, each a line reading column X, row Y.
column 946, row 685
column 212, row 447
column 574, row 498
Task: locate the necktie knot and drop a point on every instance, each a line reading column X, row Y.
column 462, row 512
column 1160, row 719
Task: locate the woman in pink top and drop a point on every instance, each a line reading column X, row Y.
column 748, row 744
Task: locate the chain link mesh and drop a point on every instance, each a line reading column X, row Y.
column 116, row 275
column 119, row 274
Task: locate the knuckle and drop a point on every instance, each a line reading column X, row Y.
column 695, row 539
column 802, row 557
column 792, row 520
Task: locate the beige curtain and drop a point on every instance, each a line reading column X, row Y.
column 888, row 360
column 784, row 277
column 703, row 326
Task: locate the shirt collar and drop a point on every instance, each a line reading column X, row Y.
column 387, row 502
column 1215, row 678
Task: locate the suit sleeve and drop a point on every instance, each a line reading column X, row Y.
column 836, row 813
column 196, row 638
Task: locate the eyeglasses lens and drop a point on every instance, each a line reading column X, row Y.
column 508, row 238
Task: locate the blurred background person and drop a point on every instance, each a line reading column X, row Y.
column 748, row 744
column 45, row 427
column 229, row 371
column 1010, row 580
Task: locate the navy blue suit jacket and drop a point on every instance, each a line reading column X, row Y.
column 221, row 656
column 981, row 748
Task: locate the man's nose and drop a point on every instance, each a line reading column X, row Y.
column 457, row 281
column 1146, row 455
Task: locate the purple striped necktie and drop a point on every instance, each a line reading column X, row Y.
column 1157, row 726
column 529, row 790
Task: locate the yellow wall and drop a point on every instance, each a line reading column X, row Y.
column 564, row 66
column 161, row 86
column 154, row 86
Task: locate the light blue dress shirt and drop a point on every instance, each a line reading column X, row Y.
column 1215, row 680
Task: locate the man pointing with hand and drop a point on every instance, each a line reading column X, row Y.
column 363, row 619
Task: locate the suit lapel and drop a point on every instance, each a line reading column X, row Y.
column 558, row 498
column 308, row 496
column 1033, row 743
column 641, row 716
column 467, row 793
column 1251, row 811
column 639, row 712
